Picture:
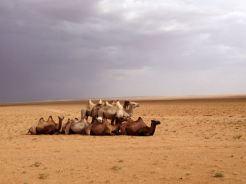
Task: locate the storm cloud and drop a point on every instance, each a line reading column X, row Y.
column 59, row 49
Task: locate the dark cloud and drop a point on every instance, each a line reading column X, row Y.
column 59, row 49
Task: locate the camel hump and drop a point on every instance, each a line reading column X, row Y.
column 41, row 120
column 119, row 105
column 90, row 102
column 100, row 102
column 108, row 104
column 50, row 119
column 140, row 119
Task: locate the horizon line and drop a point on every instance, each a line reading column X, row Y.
column 137, row 98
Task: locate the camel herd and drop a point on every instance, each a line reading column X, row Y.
column 106, row 119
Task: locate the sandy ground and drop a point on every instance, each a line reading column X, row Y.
column 197, row 140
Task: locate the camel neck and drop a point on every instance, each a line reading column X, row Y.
column 152, row 129
column 59, row 124
column 129, row 110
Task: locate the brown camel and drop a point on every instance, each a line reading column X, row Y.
column 103, row 127
column 130, row 127
column 46, row 127
column 148, row 131
column 138, row 127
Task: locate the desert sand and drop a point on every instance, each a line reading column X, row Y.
column 198, row 141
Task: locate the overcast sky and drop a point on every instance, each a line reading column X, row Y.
column 60, row 49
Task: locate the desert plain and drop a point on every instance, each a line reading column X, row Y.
column 198, row 141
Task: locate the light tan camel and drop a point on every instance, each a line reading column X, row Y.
column 76, row 126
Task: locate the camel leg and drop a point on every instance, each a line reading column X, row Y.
column 87, row 131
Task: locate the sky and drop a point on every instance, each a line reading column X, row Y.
column 59, row 49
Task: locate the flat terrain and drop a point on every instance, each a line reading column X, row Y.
column 198, row 141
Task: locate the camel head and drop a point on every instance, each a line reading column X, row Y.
column 32, row 130
column 128, row 105
column 155, row 122
column 134, row 104
column 61, row 117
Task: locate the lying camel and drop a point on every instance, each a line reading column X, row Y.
column 138, row 127
column 46, row 127
column 76, row 126
column 103, row 127
column 148, row 131
column 130, row 127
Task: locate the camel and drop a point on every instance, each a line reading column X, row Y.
column 86, row 112
column 148, row 131
column 46, row 127
column 138, row 128
column 103, row 127
column 76, row 126
column 130, row 127
column 112, row 112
